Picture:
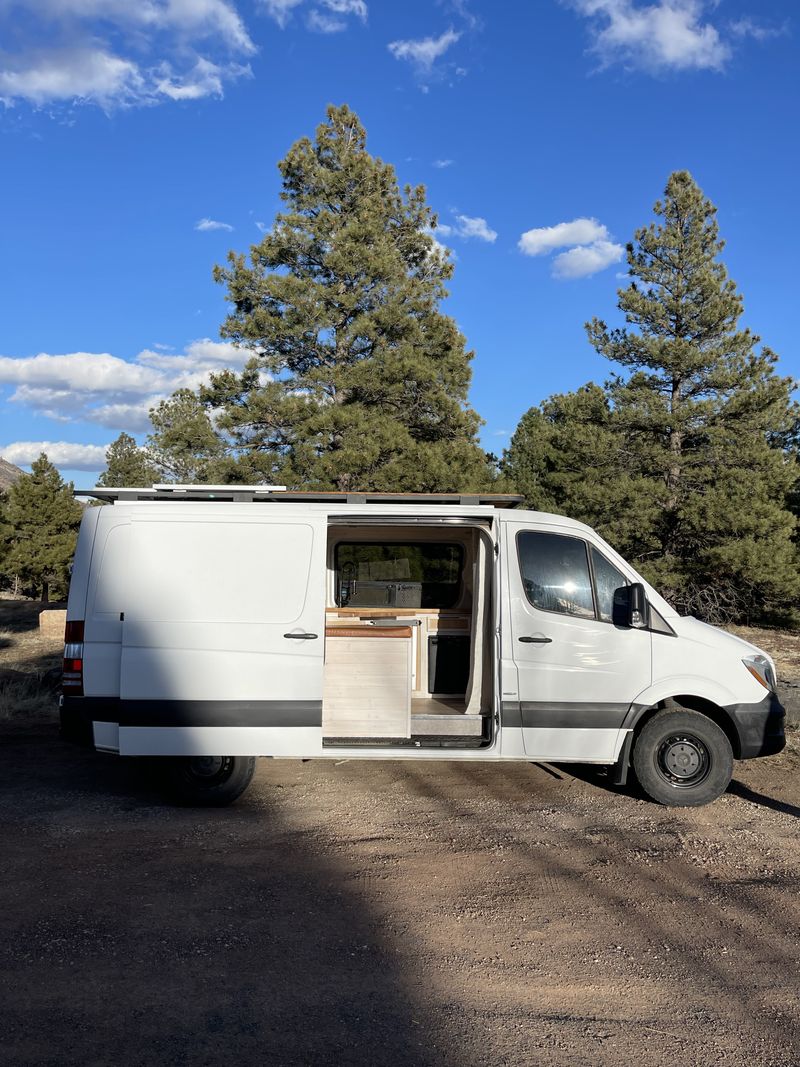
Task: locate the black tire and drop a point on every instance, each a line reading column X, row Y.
column 682, row 758
column 207, row 781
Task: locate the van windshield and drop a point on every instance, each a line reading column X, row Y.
column 398, row 575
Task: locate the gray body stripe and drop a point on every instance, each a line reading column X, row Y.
column 564, row 715
column 200, row 712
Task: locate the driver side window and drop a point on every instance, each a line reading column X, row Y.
column 555, row 573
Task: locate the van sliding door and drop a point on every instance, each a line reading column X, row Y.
column 223, row 638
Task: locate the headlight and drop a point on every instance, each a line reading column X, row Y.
column 762, row 670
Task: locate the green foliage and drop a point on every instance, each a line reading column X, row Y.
column 5, row 533
column 184, row 445
column 683, row 461
column 127, row 465
column 43, row 517
column 357, row 380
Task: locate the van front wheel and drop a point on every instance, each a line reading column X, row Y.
column 207, row 781
column 682, row 758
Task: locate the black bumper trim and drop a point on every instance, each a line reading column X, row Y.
column 760, row 727
column 563, row 715
column 77, row 710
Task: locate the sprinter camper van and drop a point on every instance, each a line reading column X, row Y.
column 208, row 625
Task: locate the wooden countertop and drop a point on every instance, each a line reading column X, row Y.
column 368, row 631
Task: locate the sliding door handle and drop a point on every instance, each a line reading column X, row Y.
column 537, row 639
column 301, row 637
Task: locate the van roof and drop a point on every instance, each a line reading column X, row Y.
column 277, row 493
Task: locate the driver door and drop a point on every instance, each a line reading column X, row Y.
column 577, row 673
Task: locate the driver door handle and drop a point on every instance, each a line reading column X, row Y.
column 302, row 637
column 537, row 639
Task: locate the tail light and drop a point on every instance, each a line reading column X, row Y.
column 72, row 670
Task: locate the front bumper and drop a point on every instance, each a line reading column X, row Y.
column 760, row 727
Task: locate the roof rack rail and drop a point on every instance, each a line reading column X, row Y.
column 279, row 493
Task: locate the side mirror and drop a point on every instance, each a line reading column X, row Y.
column 630, row 606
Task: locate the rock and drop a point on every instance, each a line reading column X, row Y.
column 52, row 622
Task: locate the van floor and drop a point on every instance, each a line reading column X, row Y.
column 437, row 706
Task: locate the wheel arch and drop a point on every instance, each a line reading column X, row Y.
column 690, row 702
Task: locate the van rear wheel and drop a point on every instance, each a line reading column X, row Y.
column 207, row 781
column 682, row 758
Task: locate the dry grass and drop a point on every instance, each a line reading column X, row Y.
column 782, row 645
column 26, row 698
column 25, row 659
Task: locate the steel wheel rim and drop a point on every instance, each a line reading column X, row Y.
column 683, row 760
column 209, row 770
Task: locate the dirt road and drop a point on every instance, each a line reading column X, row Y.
column 380, row 913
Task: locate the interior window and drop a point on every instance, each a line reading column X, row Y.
column 606, row 579
column 399, row 575
column 555, row 573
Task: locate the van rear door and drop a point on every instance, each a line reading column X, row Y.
column 575, row 673
column 223, row 635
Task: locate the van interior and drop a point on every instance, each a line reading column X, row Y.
column 408, row 636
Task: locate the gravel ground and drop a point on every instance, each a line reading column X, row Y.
column 386, row 913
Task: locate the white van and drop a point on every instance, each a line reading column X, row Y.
column 214, row 624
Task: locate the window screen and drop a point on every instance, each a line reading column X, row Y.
column 555, row 573
column 401, row 575
column 606, row 579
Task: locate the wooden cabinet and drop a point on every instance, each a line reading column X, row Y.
column 367, row 687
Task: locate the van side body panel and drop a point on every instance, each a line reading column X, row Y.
column 199, row 616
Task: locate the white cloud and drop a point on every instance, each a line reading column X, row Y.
column 280, row 10
column 547, row 238
column 82, row 74
column 667, row 35
column 475, row 227
column 347, row 7
column 61, row 453
column 467, row 227
column 748, row 27
column 424, row 52
column 211, row 224
column 325, row 16
column 592, row 250
column 319, row 22
column 440, row 164
column 109, row 391
column 204, row 79
column 119, row 53
column 584, row 260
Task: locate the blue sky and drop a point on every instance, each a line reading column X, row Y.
column 139, row 144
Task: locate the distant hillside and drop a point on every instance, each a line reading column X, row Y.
column 8, row 474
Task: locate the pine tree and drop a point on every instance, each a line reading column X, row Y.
column 184, row 445
column 357, row 380
column 44, row 518
column 5, row 534
column 704, row 417
column 568, row 456
column 127, row 465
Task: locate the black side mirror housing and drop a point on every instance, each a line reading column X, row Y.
column 630, row 606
